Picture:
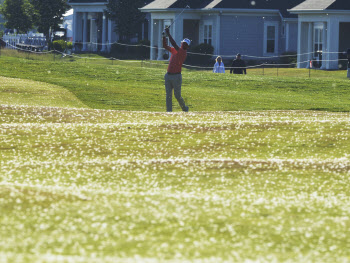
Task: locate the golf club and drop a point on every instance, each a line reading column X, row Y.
column 187, row 6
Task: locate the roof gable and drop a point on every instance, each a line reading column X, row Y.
column 281, row 5
column 160, row 4
column 86, row 1
column 323, row 5
column 314, row 5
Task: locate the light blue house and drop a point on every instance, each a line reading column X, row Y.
column 254, row 28
column 324, row 32
column 91, row 27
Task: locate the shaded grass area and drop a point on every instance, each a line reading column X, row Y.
column 104, row 186
column 120, row 85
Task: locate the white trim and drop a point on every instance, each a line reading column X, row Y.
column 152, row 50
column 299, row 45
column 276, row 25
column 208, row 23
column 218, row 33
column 104, row 33
column 310, row 43
column 319, row 11
column 160, row 40
column 325, row 45
column 80, row 4
column 75, row 26
column 287, row 36
column 85, row 31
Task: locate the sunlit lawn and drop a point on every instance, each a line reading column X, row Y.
column 134, row 85
column 79, row 185
column 90, row 185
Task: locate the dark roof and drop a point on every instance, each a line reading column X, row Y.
column 323, row 5
column 281, row 5
column 86, row 1
column 197, row 4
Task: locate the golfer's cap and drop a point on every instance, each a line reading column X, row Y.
column 186, row 40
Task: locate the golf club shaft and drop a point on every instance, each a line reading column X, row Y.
column 178, row 16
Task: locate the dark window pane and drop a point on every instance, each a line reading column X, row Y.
column 270, row 32
column 270, row 46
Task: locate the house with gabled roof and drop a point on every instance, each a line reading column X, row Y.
column 323, row 32
column 92, row 30
column 253, row 28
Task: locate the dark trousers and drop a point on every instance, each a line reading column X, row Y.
column 173, row 82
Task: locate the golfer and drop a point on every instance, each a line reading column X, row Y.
column 238, row 65
column 173, row 77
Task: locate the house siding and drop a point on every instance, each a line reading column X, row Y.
column 244, row 34
column 293, row 39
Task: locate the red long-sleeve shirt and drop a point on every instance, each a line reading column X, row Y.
column 177, row 58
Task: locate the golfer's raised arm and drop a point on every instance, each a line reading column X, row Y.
column 172, row 41
column 165, row 44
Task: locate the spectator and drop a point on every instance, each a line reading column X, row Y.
column 348, row 56
column 219, row 66
column 238, row 66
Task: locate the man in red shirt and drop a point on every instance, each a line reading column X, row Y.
column 173, row 77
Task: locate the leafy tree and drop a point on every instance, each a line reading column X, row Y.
column 127, row 16
column 48, row 14
column 18, row 14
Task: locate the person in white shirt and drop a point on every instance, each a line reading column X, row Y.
column 219, row 66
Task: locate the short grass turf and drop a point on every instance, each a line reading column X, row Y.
column 81, row 185
column 16, row 91
column 139, row 86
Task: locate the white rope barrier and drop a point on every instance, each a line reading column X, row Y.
column 31, row 51
column 213, row 55
column 263, row 65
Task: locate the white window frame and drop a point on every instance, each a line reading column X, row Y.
column 208, row 24
column 266, row 25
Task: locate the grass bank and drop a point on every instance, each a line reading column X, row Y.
column 99, row 84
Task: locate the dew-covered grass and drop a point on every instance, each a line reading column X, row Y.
column 83, row 185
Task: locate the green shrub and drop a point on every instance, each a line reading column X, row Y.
column 131, row 51
column 59, row 45
column 289, row 58
column 69, row 45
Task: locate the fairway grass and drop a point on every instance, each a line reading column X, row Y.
column 138, row 86
column 83, row 185
column 16, row 91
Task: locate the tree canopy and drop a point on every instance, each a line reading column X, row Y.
column 48, row 14
column 127, row 16
column 23, row 15
column 18, row 14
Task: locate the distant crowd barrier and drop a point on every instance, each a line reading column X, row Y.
column 271, row 68
column 23, row 41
